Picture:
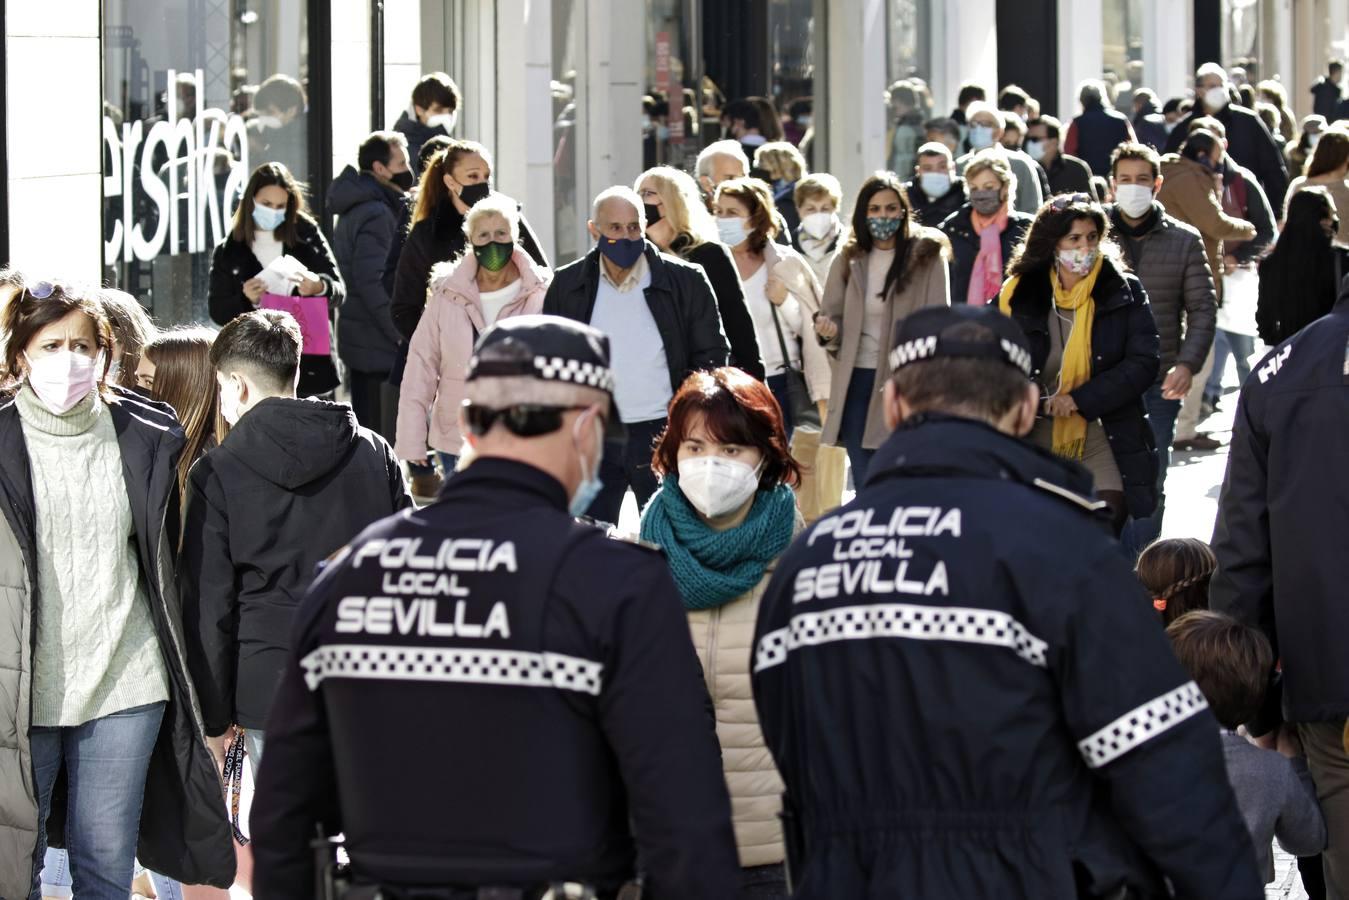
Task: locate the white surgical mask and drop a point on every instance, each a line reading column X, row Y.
column 63, row 379
column 934, row 184
column 230, row 402
column 1313, row 139
column 1035, row 150
column 717, row 486
column 1216, row 98
column 733, row 230
column 444, row 120
column 818, row 225
column 1134, row 199
column 114, row 370
column 981, row 137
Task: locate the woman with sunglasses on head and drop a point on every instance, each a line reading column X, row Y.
column 889, row 267
column 90, row 615
column 1094, row 351
column 724, row 514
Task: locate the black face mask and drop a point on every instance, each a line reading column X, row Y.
column 652, row 214
column 403, row 180
column 472, row 193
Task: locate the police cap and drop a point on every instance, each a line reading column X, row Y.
column 530, row 362
column 924, row 335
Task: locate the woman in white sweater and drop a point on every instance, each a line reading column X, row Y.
column 87, row 477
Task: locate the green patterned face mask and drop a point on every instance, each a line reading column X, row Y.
column 494, row 256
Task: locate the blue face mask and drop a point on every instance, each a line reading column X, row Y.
column 981, row 137
column 934, row 184
column 622, row 252
column 590, row 485
column 266, row 218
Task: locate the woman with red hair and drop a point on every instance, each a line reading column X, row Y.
column 724, row 514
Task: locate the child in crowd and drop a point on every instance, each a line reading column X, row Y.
column 1231, row 663
column 1176, row 572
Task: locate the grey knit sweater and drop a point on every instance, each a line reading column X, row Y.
column 1276, row 799
column 96, row 650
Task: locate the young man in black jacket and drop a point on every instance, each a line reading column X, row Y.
column 1281, row 517
column 656, row 343
column 291, row 483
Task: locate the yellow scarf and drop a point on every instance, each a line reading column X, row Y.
column 1070, row 432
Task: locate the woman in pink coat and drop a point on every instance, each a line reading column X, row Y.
column 494, row 281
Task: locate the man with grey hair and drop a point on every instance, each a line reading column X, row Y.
column 662, row 316
column 545, row 664
column 986, row 127
column 1095, row 134
column 1249, row 142
column 720, row 161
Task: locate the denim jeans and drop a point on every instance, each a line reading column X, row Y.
column 853, row 427
column 778, row 385
column 624, row 465
column 105, row 760
column 1138, row 533
column 1224, row 344
column 447, row 463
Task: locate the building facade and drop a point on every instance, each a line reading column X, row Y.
column 570, row 95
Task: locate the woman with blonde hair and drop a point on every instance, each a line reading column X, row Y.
column 496, row 279
column 453, row 181
column 176, row 368
column 678, row 223
column 1328, row 167
column 132, row 329
column 786, row 166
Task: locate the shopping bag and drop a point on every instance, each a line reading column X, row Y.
column 311, row 313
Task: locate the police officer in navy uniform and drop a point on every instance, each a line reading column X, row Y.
column 489, row 698
column 963, row 685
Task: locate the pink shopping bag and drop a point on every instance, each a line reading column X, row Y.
column 311, row 313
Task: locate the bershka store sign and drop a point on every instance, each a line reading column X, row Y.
column 171, row 184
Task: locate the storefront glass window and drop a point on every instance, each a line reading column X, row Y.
column 671, row 128
column 197, row 94
column 794, row 33
column 568, row 86
column 909, row 95
column 1122, row 50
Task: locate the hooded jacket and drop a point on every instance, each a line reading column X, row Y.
column 1278, row 540
column 434, row 382
column 1249, row 143
column 963, row 706
column 417, row 134
column 290, row 484
column 1190, row 194
column 184, row 832
column 367, row 219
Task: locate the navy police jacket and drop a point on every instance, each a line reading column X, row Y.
column 968, row 695
column 1282, row 515
column 486, row 692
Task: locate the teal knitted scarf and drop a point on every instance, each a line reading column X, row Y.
column 711, row 567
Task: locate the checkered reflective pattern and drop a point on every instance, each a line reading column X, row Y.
column 900, row 620
column 453, row 664
column 555, row 368
column 1142, row 724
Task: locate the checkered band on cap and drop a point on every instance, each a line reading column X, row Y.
column 556, row 368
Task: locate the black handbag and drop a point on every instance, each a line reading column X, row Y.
column 803, row 410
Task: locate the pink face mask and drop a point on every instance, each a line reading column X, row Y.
column 63, row 379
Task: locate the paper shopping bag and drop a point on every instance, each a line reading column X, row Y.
column 311, row 313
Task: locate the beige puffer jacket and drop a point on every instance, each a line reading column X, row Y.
column 723, row 638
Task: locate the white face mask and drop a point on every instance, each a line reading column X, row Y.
column 114, row 370
column 230, row 401
column 1134, row 199
column 1216, row 98
column 717, row 486
column 1035, row 150
column 62, row 379
column 590, row 485
column 444, row 120
column 733, row 230
column 818, row 225
column 981, row 137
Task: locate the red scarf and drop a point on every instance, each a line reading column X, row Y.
column 986, row 278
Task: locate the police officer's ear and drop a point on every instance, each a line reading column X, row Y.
column 894, row 407
column 1023, row 417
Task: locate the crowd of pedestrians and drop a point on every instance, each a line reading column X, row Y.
column 997, row 342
